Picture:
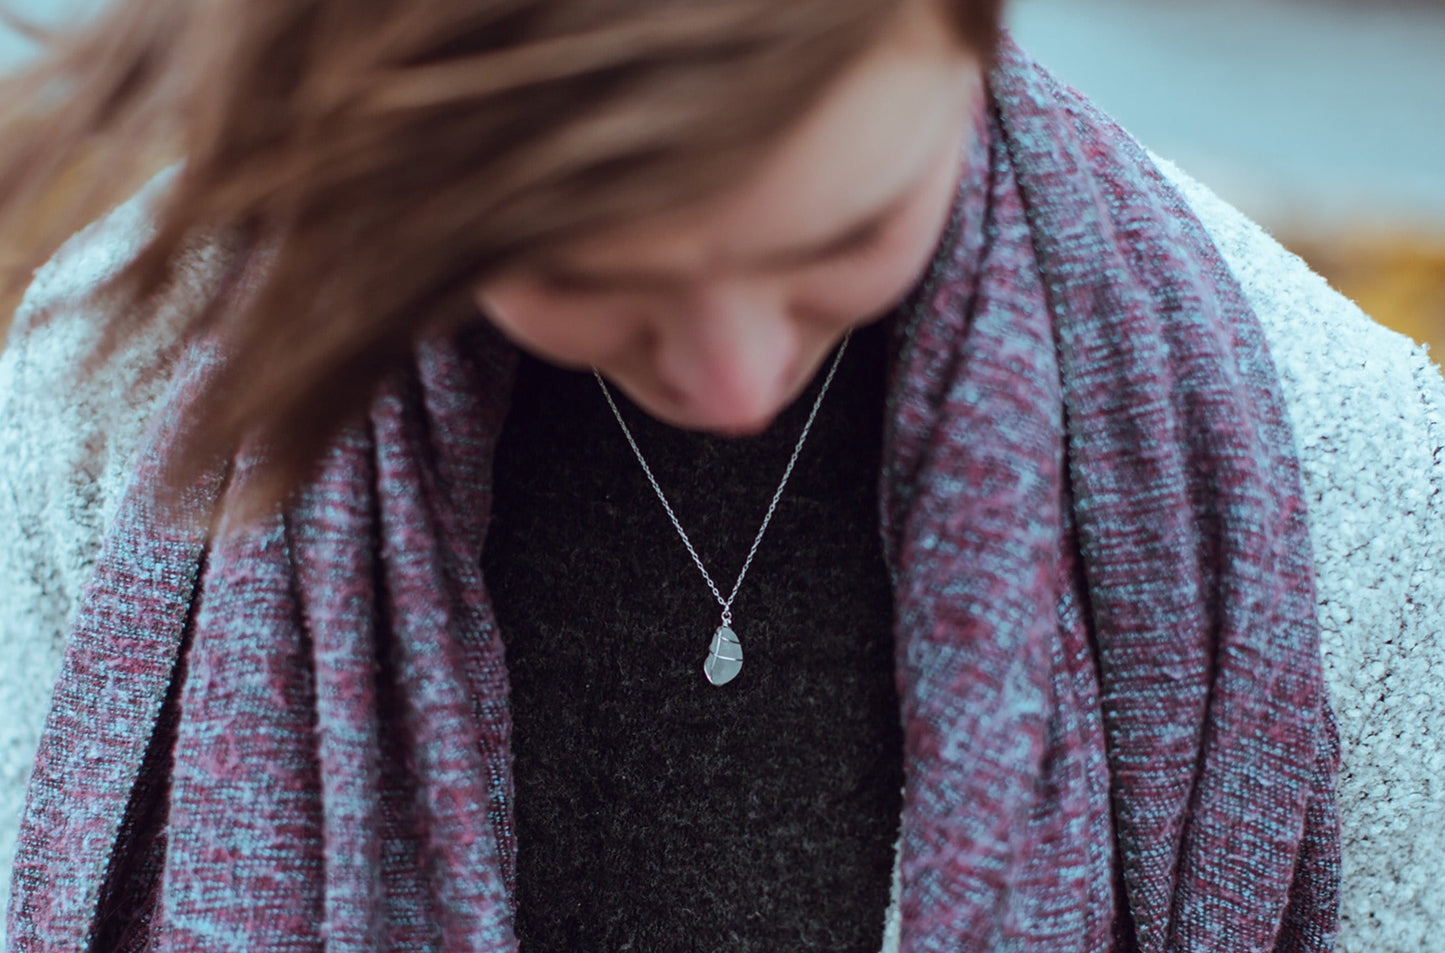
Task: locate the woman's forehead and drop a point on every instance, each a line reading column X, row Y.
column 853, row 156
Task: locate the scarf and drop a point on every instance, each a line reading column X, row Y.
column 294, row 734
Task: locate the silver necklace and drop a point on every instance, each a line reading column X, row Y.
column 725, row 654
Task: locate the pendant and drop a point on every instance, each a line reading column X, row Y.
column 724, row 658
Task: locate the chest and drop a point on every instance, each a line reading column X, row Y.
column 653, row 808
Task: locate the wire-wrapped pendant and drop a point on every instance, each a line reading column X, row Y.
column 724, row 658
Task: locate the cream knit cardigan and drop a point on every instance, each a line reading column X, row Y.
column 1369, row 414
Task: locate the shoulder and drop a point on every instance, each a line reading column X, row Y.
column 68, row 433
column 67, row 441
column 1368, row 409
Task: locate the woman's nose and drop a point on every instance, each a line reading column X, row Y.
column 729, row 356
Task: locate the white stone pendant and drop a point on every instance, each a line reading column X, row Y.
column 724, row 658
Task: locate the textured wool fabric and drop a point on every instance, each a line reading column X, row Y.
column 655, row 811
column 1209, row 720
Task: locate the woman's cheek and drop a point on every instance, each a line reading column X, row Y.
column 871, row 284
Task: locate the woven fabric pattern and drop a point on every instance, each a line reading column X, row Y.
column 1107, row 655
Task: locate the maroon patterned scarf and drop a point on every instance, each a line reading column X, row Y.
column 1116, row 731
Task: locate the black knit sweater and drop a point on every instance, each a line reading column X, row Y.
column 654, row 811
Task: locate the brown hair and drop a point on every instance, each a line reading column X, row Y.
column 383, row 156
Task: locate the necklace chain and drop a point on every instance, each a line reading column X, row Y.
column 726, row 603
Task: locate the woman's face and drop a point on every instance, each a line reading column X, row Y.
column 715, row 318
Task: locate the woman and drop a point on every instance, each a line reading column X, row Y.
column 393, row 640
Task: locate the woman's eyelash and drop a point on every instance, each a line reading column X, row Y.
column 566, row 283
column 862, row 240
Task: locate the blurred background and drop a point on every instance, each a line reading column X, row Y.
column 1324, row 120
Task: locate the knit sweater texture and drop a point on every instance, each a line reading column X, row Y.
column 1369, row 416
column 654, row 811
